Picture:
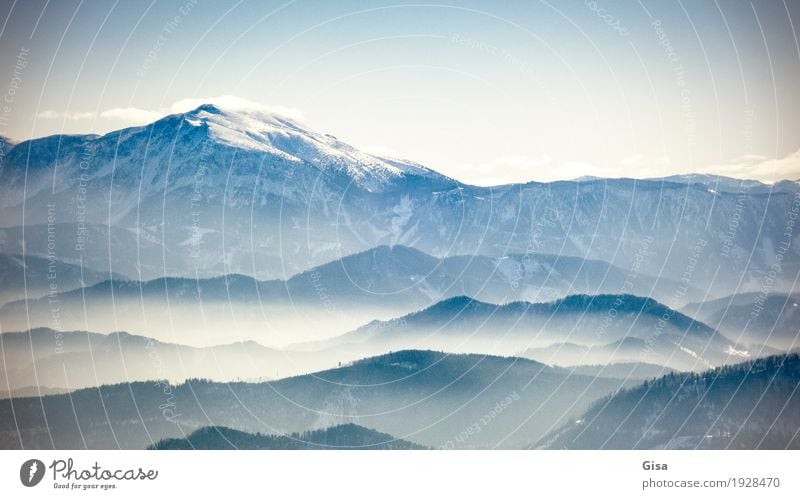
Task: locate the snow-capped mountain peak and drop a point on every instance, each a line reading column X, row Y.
column 272, row 133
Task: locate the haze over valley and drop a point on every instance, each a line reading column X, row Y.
column 230, row 278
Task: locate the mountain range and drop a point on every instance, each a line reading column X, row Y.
column 347, row 436
column 327, row 300
column 31, row 277
column 70, row 360
column 429, row 398
column 214, row 191
column 626, row 333
column 234, row 279
column 767, row 318
column 578, row 329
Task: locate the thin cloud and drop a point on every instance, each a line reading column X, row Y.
column 767, row 170
column 233, row 103
column 54, row 115
column 133, row 116
column 633, row 160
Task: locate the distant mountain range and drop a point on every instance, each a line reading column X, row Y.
column 753, row 405
column 578, row 329
column 282, row 289
column 173, row 185
column 78, row 359
column 346, row 436
column 214, row 191
column 432, row 399
column 617, row 331
column 331, row 299
column 719, row 183
column 768, row 318
column 30, row 277
column 31, row 391
column 621, row 370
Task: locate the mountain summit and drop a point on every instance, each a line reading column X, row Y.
column 282, row 137
column 219, row 190
column 240, row 149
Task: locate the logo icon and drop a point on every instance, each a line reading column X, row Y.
column 31, row 472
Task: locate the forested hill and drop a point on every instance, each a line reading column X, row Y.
column 346, row 436
column 753, row 405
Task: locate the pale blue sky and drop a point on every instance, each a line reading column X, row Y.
column 488, row 92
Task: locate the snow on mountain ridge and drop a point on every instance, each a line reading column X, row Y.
column 272, row 133
column 199, row 151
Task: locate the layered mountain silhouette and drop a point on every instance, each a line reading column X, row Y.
column 430, row 398
column 330, row 299
column 341, row 437
column 618, row 331
column 69, row 360
column 621, row 370
column 282, row 289
column 31, row 277
column 578, row 329
column 753, row 405
column 771, row 319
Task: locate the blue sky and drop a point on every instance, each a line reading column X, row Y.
column 488, row 92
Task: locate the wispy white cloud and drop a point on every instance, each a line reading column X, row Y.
column 54, row 115
column 132, row 116
column 634, row 160
column 48, row 115
column 233, row 103
column 767, row 170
